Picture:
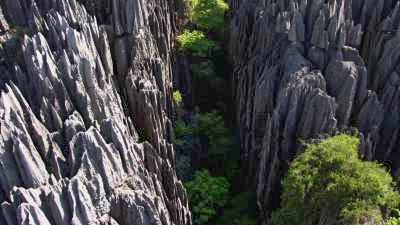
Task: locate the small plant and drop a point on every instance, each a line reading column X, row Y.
column 208, row 14
column 206, row 195
column 177, row 96
column 197, row 43
column 329, row 181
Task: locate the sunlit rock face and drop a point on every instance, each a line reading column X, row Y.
column 85, row 113
column 306, row 67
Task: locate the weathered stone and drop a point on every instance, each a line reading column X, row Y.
column 69, row 146
column 3, row 22
column 302, row 68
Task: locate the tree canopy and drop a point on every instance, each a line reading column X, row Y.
column 207, row 194
column 328, row 182
column 208, row 14
column 196, row 43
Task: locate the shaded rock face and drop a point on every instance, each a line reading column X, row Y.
column 302, row 68
column 81, row 82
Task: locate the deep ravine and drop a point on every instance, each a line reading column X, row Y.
column 181, row 112
column 207, row 149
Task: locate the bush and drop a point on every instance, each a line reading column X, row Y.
column 208, row 14
column 212, row 126
column 206, row 195
column 197, row 43
column 329, row 181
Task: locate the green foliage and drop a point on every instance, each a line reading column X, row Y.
column 241, row 210
column 182, row 132
column 206, row 195
column 212, row 126
column 394, row 218
column 208, row 14
column 330, row 181
column 197, row 43
column 177, row 97
column 204, row 70
column 209, row 88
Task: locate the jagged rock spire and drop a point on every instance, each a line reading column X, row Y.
column 305, row 67
column 77, row 92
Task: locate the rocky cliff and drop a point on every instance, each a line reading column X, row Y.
column 302, row 68
column 85, row 113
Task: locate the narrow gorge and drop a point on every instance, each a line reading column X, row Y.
column 203, row 112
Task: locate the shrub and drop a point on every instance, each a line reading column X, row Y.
column 212, row 126
column 208, row 14
column 329, row 181
column 206, row 195
column 197, row 43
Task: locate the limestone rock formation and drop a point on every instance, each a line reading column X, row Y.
column 305, row 67
column 85, row 113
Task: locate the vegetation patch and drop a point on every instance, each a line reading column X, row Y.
column 196, row 43
column 177, row 96
column 241, row 210
column 208, row 14
column 394, row 218
column 215, row 191
column 207, row 194
column 212, row 127
column 183, row 133
column 328, row 182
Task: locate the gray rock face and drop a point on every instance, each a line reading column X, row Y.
column 302, row 68
column 81, row 82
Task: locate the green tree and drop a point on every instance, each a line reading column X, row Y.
column 208, row 14
column 196, row 43
column 329, row 182
column 206, row 195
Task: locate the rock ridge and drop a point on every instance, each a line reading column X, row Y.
column 304, row 68
column 85, row 113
